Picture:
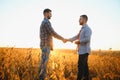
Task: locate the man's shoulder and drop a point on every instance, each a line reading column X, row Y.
column 87, row 28
column 45, row 21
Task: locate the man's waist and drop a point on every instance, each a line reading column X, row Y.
column 44, row 44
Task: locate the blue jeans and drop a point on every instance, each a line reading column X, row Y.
column 43, row 63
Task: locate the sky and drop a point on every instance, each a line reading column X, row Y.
column 20, row 22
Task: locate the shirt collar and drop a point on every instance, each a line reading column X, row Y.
column 46, row 19
column 84, row 26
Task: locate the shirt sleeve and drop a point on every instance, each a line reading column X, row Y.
column 52, row 32
column 87, row 36
column 74, row 38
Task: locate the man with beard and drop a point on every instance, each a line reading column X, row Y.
column 83, row 42
column 46, row 44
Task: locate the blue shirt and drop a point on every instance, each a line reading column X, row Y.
column 84, row 37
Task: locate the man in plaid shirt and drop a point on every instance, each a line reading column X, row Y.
column 46, row 41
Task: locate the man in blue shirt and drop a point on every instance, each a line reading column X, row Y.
column 83, row 42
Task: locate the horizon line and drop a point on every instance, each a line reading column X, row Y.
column 110, row 49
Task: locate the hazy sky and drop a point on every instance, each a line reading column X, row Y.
column 20, row 21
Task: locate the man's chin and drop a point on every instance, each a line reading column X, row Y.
column 49, row 18
column 81, row 23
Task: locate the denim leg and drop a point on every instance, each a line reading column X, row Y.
column 43, row 63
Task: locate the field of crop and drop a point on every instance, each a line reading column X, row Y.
column 22, row 64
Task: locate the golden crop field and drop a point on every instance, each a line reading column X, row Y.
column 22, row 64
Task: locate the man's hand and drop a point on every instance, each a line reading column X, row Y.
column 66, row 40
column 77, row 42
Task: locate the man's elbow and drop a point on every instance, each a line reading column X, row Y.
column 84, row 41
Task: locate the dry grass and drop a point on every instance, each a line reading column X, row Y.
column 22, row 64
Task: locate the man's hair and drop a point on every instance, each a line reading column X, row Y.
column 46, row 11
column 85, row 17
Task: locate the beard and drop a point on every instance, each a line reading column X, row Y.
column 81, row 23
column 49, row 17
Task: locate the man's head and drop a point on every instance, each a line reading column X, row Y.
column 83, row 19
column 47, row 13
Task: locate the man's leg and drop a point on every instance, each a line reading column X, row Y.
column 86, row 69
column 43, row 63
column 80, row 68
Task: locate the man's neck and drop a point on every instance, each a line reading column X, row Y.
column 45, row 18
column 83, row 24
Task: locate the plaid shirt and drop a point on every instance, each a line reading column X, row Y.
column 46, row 34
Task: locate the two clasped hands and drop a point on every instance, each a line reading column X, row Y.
column 68, row 40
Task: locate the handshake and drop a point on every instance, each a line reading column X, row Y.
column 66, row 40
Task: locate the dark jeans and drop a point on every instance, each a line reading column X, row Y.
column 83, row 70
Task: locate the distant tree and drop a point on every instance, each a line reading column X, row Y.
column 110, row 49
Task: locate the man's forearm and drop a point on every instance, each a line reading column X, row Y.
column 74, row 38
column 57, row 36
column 53, row 33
